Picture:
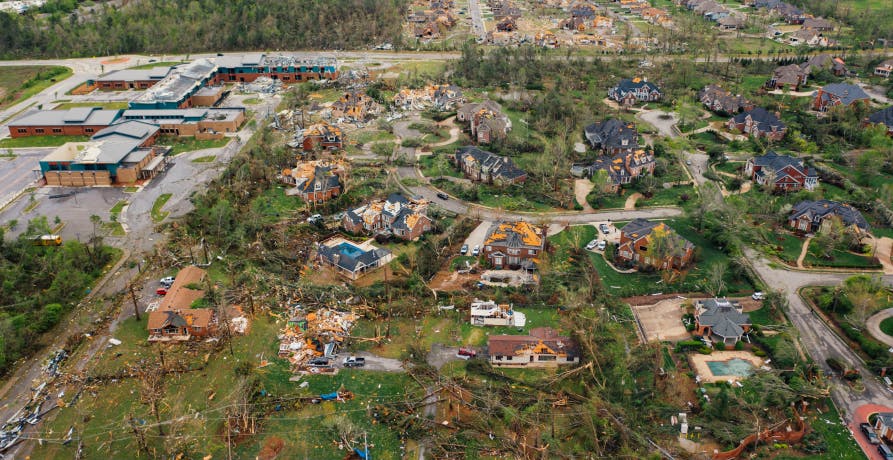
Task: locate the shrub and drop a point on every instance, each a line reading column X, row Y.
column 705, row 350
column 688, row 345
column 760, row 353
column 739, row 345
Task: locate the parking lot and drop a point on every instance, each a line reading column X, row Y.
column 16, row 172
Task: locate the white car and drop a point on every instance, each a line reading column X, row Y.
column 167, row 281
column 592, row 244
column 758, row 295
column 601, row 245
column 476, row 251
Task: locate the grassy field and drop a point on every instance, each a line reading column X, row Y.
column 273, row 204
column 838, row 440
column 790, row 247
column 887, row 326
column 120, row 105
column 188, row 144
column 843, row 259
column 157, row 214
column 113, row 228
column 39, row 141
column 437, row 165
column 18, row 83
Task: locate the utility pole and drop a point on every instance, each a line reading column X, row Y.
column 136, row 307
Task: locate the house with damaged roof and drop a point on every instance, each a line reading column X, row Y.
column 813, row 216
column 175, row 319
column 621, row 169
column 882, row 117
column 637, row 247
column 717, row 99
column 483, row 166
column 542, row 348
column 322, row 136
column 513, row 245
column 397, row 215
column 612, row 136
column 632, row 91
column 783, row 172
column 355, row 105
column 790, row 76
column 722, row 320
column 315, row 181
column 486, row 121
column 351, row 260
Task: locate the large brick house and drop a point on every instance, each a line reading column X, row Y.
column 486, row 121
column 722, row 320
column 322, row 136
column 759, row 123
column 812, row 216
column 621, row 169
column 882, row 117
column 635, row 249
column 402, row 217
column 514, row 245
column 542, row 348
column 632, row 91
column 717, row 99
column 175, row 319
column 838, row 94
column 612, row 136
column 315, row 181
column 483, row 166
column 784, row 172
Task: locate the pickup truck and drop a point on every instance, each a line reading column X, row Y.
column 353, row 361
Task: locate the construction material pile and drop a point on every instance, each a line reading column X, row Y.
column 261, row 85
column 311, row 338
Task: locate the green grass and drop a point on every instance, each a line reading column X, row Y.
column 205, row 159
column 113, row 228
column 762, row 316
column 730, row 167
column 120, row 105
column 273, row 204
column 251, row 101
column 116, row 209
column 790, row 247
column 157, row 214
column 40, row 141
column 437, row 165
column 887, row 326
column 459, row 262
column 131, row 189
column 667, row 197
column 152, row 65
column 842, row 259
column 838, row 439
column 18, row 83
column 188, row 144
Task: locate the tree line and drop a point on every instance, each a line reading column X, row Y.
column 181, row 26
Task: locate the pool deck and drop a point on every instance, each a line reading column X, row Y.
column 699, row 363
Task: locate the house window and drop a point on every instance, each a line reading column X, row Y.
column 514, row 252
column 57, row 130
column 532, row 252
column 88, row 130
column 546, row 358
column 39, row 130
column 508, row 358
column 489, row 248
column 570, row 358
column 23, row 130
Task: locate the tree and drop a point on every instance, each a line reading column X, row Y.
column 715, row 282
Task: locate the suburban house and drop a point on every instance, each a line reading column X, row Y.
column 355, row 105
column 838, row 94
column 402, row 217
column 120, row 154
column 488, row 313
column 621, row 169
column 315, row 181
column 635, row 246
column 809, row 37
column 512, row 245
column 884, row 425
column 79, row 121
column 612, row 136
column 731, row 23
column 759, row 122
column 486, row 121
column 790, row 76
column 482, row 166
column 884, row 69
column 785, row 173
column 542, row 348
column 833, row 64
column 722, row 320
column 322, row 136
column 717, row 99
column 790, row 13
column 813, row 216
column 632, row 91
column 351, row 260
column 439, row 97
column 820, row 24
column 175, row 319
column 882, row 117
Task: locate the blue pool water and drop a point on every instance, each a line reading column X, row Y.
column 735, row 367
column 349, row 250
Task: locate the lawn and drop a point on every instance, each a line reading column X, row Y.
column 838, row 439
column 887, row 326
column 157, row 214
column 841, row 259
column 120, row 105
column 152, row 65
column 113, row 228
column 271, row 205
column 730, row 167
column 39, row 141
column 437, row 165
column 762, row 317
column 18, row 83
column 205, row 159
column 790, row 247
column 187, row 144
column 667, row 196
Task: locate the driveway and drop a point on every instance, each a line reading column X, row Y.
column 476, row 237
column 873, row 325
column 373, row 362
column 657, row 119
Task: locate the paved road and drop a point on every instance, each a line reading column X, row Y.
column 15, row 173
column 477, row 20
column 817, row 339
column 874, row 326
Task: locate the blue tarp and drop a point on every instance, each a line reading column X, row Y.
column 363, row 454
column 329, row 396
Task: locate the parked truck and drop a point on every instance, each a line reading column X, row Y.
column 353, row 361
column 47, row 240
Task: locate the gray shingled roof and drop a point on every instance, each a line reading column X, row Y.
column 818, row 210
column 723, row 318
column 845, row 92
column 612, row 133
column 883, row 116
column 500, row 167
column 765, row 119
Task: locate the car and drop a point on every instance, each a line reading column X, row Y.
column 353, row 361
column 758, row 295
column 314, row 219
column 464, row 249
column 443, row 196
column 592, row 244
column 602, row 245
column 869, row 433
column 476, row 251
column 319, row 361
column 161, row 291
column 688, row 162
column 885, row 451
column 604, row 228
column 167, row 281
column 467, row 351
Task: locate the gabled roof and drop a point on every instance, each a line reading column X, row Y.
column 884, row 117
column 517, row 234
column 179, row 296
column 612, row 133
column 350, row 263
column 723, row 317
column 130, row 129
column 626, row 85
column 509, row 345
column 845, row 92
column 817, row 211
column 766, row 120
column 499, row 167
column 817, row 23
column 642, row 228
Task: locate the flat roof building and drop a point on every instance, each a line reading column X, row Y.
column 200, row 122
column 288, row 69
column 176, row 90
column 131, row 78
column 79, row 121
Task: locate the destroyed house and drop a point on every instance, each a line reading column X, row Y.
column 322, row 136
column 542, row 348
column 315, row 181
column 397, row 215
column 513, row 245
column 636, row 249
column 489, row 313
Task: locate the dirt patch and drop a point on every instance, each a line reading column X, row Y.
column 631, row 201
column 446, row 280
column 663, row 320
column 115, row 61
column 883, row 253
column 582, row 187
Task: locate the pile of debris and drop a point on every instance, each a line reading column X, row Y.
column 311, row 335
column 262, row 85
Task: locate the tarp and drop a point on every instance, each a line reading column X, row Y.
column 329, row 396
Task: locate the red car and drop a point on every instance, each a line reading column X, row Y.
column 161, row 291
column 466, row 351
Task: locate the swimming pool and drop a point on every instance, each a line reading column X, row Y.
column 735, row 367
column 350, row 250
